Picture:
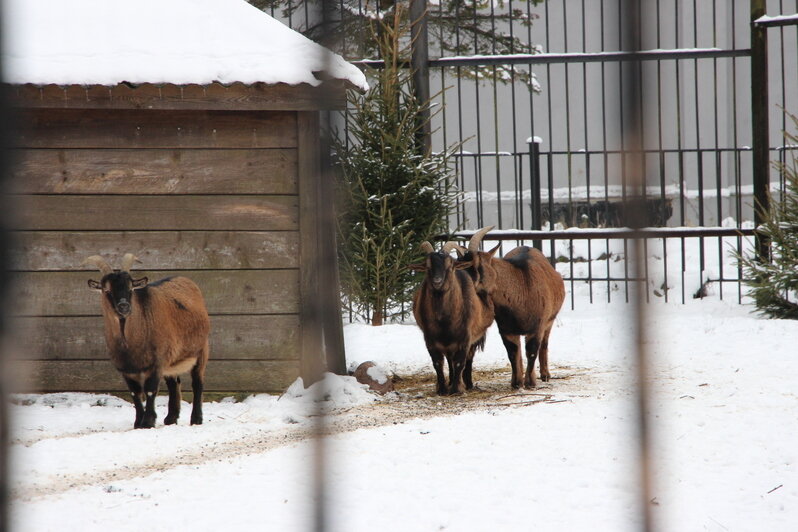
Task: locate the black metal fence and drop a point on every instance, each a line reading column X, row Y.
column 533, row 97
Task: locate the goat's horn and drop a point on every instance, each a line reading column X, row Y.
column 457, row 247
column 127, row 262
column 473, row 244
column 449, row 246
column 426, row 247
column 100, row 263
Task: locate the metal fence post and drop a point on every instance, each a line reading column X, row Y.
column 534, row 185
column 420, row 64
column 760, row 125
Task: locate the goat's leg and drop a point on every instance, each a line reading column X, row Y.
column 545, row 375
column 532, row 347
column 151, row 384
column 173, row 383
column 437, row 363
column 467, row 378
column 198, row 385
column 135, row 390
column 513, row 346
column 458, row 363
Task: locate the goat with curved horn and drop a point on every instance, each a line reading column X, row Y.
column 476, row 240
column 99, row 263
column 153, row 332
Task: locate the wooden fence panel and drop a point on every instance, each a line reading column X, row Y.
column 154, row 171
column 268, row 337
column 101, row 128
column 100, row 375
column 130, row 213
column 225, row 292
column 158, row 250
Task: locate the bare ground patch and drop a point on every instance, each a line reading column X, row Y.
column 414, row 399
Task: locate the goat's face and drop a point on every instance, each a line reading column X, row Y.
column 117, row 287
column 440, row 269
column 482, row 271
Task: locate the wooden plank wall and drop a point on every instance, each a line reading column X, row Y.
column 212, row 195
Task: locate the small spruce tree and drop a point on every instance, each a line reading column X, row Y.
column 774, row 285
column 394, row 195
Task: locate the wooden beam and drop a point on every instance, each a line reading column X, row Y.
column 312, row 358
column 159, row 250
column 127, row 129
column 269, row 337
column 154, row 171
column 225, row 292
column 168, row 213
column 214, row 96
column 101, row 376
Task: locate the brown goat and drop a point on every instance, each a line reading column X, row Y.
column 154, row 330
column 527, row 294
column 452, row 317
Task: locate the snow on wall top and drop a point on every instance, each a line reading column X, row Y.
column 107, row 42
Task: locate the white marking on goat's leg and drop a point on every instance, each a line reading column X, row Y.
column 456, row 378
column 545, row 374
column 437, row 363
column 532, row 348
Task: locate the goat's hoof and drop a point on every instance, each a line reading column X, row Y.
column 196, row 420
column 170, row 420
column 545, row 378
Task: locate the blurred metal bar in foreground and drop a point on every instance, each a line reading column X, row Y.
column 5, row 281
column 633, row 174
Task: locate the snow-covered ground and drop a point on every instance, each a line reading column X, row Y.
column 725, row 430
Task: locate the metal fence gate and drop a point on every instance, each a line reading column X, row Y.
column 540, row 125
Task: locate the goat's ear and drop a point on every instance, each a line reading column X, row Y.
column 421, row 267
column 96, row 285
column 493, row 251
column 463, row 264
column 140, row 283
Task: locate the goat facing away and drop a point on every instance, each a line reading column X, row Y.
column 452, row 317
column 154, row 330
column 527, row 294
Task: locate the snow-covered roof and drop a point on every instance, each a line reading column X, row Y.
column 106, row 42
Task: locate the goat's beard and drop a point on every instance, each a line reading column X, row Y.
column 122, row 329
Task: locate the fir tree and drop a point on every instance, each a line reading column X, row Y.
column 395, row 196
column 774, row 284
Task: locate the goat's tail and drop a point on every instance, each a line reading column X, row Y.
column 479, row 345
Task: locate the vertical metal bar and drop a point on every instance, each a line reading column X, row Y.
column 585, row 122
column 419, row 45
column 736, row 150
column 660, row 151
column 5, row 281
column 760, row 125
column 636, row 169
column 534, row 186
column 478, row 158
column 604, row 150
column 550, row 169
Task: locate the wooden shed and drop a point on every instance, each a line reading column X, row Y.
column 215, row 176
